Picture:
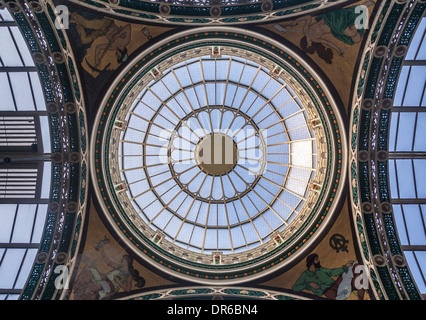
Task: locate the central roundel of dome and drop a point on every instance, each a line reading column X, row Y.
column 217, row 158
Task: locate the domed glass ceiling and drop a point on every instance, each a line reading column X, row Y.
column 217, row 153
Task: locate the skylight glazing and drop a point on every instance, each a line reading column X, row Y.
column 20, row 86
column 217, row 154
column 407, row 157
column 25, row 171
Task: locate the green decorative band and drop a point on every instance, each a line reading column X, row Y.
column 381, row 19
column 73, row 129
column 207, row 293
column 364, row 130
column 391, row 234
column 191, row 292
column 382, row 181
column 33, row 281
column 67, row 88
column 82, row 125
column 383, row 130
column 48, row 234
column 296, row 10
column 206, row 14
column 390, row 24
column 408, row 282
column 73, row 74
column 49, row 288
column 411, row 24
column 136, row 14
column 392, row 78
column 48, row 32
column 362, row 237
column 27, row 31
column 83, row 183
column 247, row 293
column 204, row 10
column 373, row 76
column 363, row 74
column 384, row 72
column 49, row 92
column 284, row 297
column 355, row 193
column 76, row 233
column 60, row 33
column 370, row 229
column 56, row 183
column 387, row 283
column 376, row 284
column 354, row 129
column 364, row 181
column 69, row 223
column 74, row 182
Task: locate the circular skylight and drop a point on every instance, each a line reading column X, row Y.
column 216, row 155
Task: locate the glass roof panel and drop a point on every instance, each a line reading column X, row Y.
column 8, row 215
column 417, row 42
column 25, row 269
column 10, row 267
column 20, row 83
column 415, row 86
column 400, row 88
column 21, row 46
column 7, row 103
column 407, row 160
column 416, row 261
column 420, row 137
column 9, row 52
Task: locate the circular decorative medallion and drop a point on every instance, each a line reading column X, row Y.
column 218, row 156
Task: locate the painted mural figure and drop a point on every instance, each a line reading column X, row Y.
column 91, row 29
column 340, row 23
column 321, row 281
column 95, row 284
